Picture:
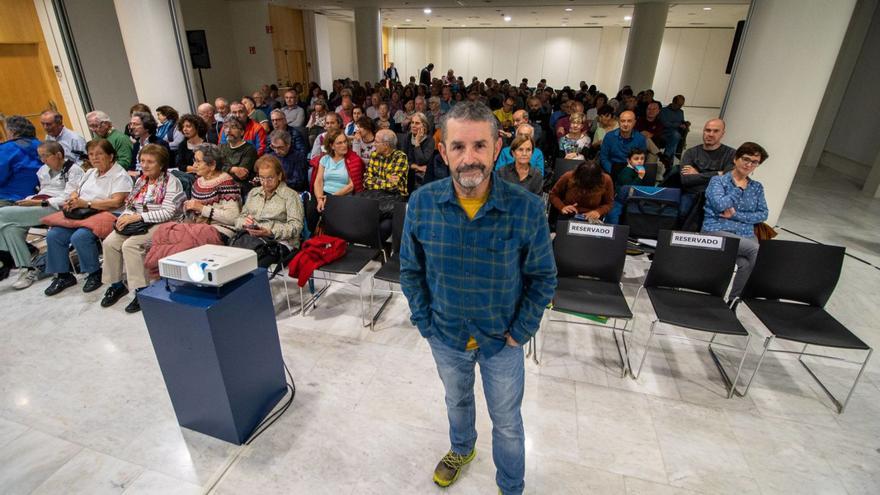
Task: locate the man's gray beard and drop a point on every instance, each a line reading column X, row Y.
column 468, row 183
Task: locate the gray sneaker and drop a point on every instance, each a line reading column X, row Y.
column 26, row 277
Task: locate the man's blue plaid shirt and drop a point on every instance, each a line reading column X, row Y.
column 480, row 277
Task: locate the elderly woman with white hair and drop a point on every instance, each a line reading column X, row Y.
column 419, row 149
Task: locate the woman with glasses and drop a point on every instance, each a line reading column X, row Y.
column 157, row 197
column 735, row 203
column 272, row 211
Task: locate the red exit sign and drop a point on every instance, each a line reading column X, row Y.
column 252, row 50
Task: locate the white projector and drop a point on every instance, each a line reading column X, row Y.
column 209, row 265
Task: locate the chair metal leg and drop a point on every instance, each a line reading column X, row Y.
column 375, row 317
column 623, row 362
column 533, row 342
column 645, row 354
column 730, row 385
column 767, row 342
column 840, row 407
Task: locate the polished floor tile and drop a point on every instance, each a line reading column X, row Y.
column 84, row 409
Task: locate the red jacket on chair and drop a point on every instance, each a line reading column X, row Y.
column 313, row 254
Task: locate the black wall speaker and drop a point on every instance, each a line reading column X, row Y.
column 736, row 38
column 198, row 49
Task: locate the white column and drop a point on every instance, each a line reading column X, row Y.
column 434, row 50
column 788, row 48
column 871, row 188
column 156, row 52
column 368, row 35
column 643, row 46
column 611, row 52
column 318, row 48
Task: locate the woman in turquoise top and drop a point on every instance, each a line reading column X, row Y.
column 332, row 175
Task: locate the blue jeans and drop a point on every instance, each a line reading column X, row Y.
column 503, row 383
column 58, row 242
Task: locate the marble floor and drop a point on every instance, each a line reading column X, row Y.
column 83, row 407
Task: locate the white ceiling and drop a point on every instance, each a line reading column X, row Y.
column 528, row 13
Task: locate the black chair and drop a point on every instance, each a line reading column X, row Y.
column 356, row 220
column 390, row 271
column 589, row 264
column 562, row 166
column 686, row 285
column 787, row 290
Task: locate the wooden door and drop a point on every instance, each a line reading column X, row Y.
column 28, row 82
column 288, row 44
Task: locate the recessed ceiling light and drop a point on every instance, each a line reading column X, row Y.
column 569, row 9
column 627, row 18
column 427, row 11
column 507, row 18
column 707, row 8
column 394, row 26
column 409, row 20
column 463, row 25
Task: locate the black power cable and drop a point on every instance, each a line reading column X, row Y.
column 271, row 418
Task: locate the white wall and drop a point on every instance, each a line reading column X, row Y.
column 343, row 57
column 854, row 135
column 99, row 44
column 692, row 61
column 249, row 20
column 222, row 79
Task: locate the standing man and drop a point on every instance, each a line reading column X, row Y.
column 391, row 73
column 478, row 270
column 425, row 75
column 73, row 144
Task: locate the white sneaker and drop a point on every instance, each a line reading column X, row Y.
column 26, row 277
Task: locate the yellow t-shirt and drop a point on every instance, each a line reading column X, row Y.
column 505, row 118
column 471, row 206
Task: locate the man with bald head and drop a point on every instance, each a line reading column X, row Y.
column 615, row 147
column 385, row 177
column 702, row 162
column 206, row 113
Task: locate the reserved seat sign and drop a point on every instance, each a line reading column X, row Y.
column 690, row 239
column 591, row 229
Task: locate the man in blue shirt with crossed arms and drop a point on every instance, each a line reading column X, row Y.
column 477, row 269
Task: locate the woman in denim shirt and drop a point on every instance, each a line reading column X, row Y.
column 734, row 204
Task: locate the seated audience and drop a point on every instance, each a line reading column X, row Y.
column 675, row 128
column 521, row 171
column 272, row 211
column 315, row 125
column 372, row 110
column 254, row 133
column 384, row 120
column 331, row 122
column 617, row 143
column 167, row 129
column 386, row 178
column 649, row 125
column 599, row 101
column 297, row 140
column 338, row 172
column 157, row 197
column 563, row 125
column 293, row 162
column 295, row 115
column 194, row 131
column 238, row 155
column 734, row 204
column 104, row 187
column 506, row 157
column 102, row 127
column 702, row 162
column 435, row 111
column 505, row 114
column 58, row 177
column 403, row 116
column 216, row 197
column 221, row 106
column 19, row 161
column 364, row 140
column 74, row 145
column 143, row 130
column 255, row 114
column 419, row 149
column 351, row 126
column 212, row 125
column 605, row 123
column 585, row 190
column 576, row 143
column 633, row 173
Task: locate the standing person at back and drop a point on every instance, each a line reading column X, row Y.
column 425, row 75
column 477, row 269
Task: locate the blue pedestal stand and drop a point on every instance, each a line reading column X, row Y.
column 219, row 352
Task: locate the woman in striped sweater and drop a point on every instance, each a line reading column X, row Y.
column 157, row 197
column 216, row 197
